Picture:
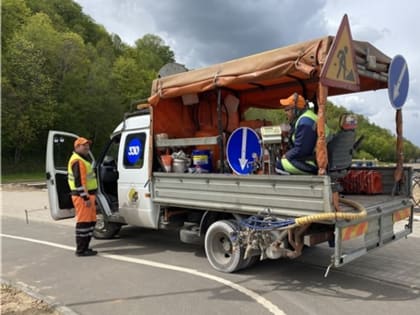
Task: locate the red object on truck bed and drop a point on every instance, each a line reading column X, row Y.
column 367, row 182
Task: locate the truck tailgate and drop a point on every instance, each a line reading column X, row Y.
column 388, row 219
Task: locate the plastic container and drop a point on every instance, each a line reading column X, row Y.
column 202, row 159
column 213, row 148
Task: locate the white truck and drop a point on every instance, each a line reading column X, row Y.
column 218, row 187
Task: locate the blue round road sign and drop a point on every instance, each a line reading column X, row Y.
column 398, row 81
column 243, row 150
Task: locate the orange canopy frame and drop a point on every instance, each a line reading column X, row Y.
column 280, row 69
column 260, row 80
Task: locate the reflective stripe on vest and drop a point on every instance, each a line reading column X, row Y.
column 311, row 115
column 91, row 182
column 290, row 168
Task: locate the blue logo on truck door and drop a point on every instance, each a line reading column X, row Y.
column 133, row 151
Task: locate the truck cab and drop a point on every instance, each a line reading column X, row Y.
column 122, row 171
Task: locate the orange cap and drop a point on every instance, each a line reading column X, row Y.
column 294, row 100
column 81, row 141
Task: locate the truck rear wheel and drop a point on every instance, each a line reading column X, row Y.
column 220, row 250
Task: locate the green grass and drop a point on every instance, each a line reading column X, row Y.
column 23, row 177
column 30, row 169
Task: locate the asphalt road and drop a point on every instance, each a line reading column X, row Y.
column 151, row 272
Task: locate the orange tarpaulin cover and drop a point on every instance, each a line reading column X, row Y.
column 260, row 80
column 302, row 61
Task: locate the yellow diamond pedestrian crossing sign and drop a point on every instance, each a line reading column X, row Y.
column 340, row 69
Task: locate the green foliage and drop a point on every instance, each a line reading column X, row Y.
column 13, row 15
column 27, row 106
column 63, row 71
column 152, row 53
column 275, row 116
column 124, row 74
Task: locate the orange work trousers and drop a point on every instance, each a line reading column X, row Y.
column 84, row 213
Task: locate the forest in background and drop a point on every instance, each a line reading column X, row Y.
column 62, row 71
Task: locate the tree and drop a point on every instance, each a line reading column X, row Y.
column 27, row 105
column 128, row 79
column 152, row 53
column 14, row 14
column 134, row 71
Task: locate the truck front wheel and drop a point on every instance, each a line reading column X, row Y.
column 104, row 229
column 220, row 250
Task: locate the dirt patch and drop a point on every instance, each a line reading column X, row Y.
column 17, row 302
column 23, row 186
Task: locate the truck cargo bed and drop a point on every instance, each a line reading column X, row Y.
column 285, row 196
column 288, row 196
column 369, row 201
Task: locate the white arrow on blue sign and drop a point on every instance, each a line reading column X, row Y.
column 243, row 150
column 398, row 81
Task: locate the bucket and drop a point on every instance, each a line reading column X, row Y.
column 179, row 165
column 202, row 159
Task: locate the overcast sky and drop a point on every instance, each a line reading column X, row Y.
column 204, row 32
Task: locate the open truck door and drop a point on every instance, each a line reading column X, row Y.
column 59, row 150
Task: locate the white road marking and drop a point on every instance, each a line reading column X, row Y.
column 251, row 294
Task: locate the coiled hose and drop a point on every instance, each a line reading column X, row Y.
column 335, row 215
column 270, row 223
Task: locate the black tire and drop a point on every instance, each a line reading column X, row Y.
column 249, row 262
column 104, row 229
column 218, row 245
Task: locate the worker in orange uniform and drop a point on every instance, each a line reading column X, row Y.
column 83, row 186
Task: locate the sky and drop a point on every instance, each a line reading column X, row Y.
column 205, row 32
